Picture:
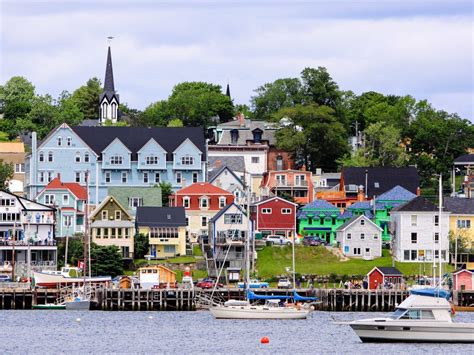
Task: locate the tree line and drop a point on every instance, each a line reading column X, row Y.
column 316, row 119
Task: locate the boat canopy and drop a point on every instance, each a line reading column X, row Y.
column 432, row 292
column 252, row 296
column 297, row 297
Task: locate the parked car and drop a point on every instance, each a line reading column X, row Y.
column 208, row 283
column 254, row 283
column 312, row 241
column 284, row 283
column 278, row 240
column 5, row 278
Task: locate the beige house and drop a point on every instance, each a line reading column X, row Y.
column 14, row 152
column 111, row 224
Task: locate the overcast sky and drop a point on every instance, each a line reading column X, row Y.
column 419, row 47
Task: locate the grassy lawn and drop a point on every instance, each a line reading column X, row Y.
column 197, row 250
column 320, row 261
column 184, row 259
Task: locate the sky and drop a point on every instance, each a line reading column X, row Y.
column 424, row 48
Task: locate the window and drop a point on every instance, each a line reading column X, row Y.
column 281, row 179
column 349, row 236
column 106, row 233
column 105, row 215
column 116, row 160
column 118, row 215
column 232, row 218
column 222, row 201
column 170, row 249
column 414, row 238
column 86, row 157
column 50, row 157
column 187, row 160
column 266, row 210
column 114, row 110
column 436, row 220
column 107, row 176
column 464, row 223
column 204, row 221
column 362, row 222
column 436, row 237
column 124, row 177
column 286, row 211
column 204, row 202
column 60, row 141
column 50, row 176
column 376, row 236
column 414, row 255
column 145, row 178
column 255, row 160
column 362, row 236
column 19, row 168
column 234, row 136
column 67, row 221
column 134, row 202
column 178, row 177
column 41, row 157
column 367, row 251
column 65, row 199
column 157, row 178
column 78, row 176
column 406, row 255
column 186, row 202
column 119, row 233
column 357, row 251
column 195, row 177
column 48, row 199
column 78, row 157
column 151, row 160
column 187, row 221
column 68, row 141
column 427, row 314
column 414, row 220
column 41, row 176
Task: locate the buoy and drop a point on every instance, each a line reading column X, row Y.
column 150, row 317
column 264, row 340
column 78, row 320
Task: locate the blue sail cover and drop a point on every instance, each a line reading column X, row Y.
column 252, row 296
column 432, row 292
column 297, row 297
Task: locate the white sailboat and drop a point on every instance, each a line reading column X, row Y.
column 236, row 309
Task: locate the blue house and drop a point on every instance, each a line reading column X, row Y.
column 116, row 156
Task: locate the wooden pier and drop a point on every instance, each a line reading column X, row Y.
column 333, row 300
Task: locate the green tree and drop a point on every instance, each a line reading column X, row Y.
column 68, row 110
column 313, row 134
column 166, row 191
column 6, row 173
column 156, row 114
column 106, row 260
column 87, row 98
column 130, row 115
column 16, row 98
column 75, row 250
column 141, row 246
column 319, row 88
column 42, row 116
column 176, row 122
column 382, row 148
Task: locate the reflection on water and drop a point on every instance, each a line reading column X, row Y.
column 191, row 332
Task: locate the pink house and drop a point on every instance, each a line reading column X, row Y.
column 463, row 279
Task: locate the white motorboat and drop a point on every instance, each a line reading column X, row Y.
column 422, row 317
column 270, row 310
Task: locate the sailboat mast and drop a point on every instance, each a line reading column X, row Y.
column 293, row 255
column 247, row 244
column 439, row 224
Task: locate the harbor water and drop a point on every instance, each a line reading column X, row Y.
column 77, row 332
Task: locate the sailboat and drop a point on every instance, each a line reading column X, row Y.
column 237, row 309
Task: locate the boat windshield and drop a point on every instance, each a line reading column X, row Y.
column 412, row 314
column 398, row 313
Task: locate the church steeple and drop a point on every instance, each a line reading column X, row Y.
column 227, row 91
column 109, row 99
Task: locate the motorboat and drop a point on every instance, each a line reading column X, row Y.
column 79, row 300
column 425, row 316
column 63, row 277
column 270, row 310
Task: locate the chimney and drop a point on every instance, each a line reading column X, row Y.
column 218, row 163
column 418, row 191
column 360, row 193
column 59, row 176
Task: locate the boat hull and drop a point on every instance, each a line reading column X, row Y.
column 409, row 332
column 43, row 279
column 83, row 305
column 220, row 312
column 49, row 306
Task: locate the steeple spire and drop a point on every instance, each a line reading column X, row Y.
column 109, row 99
column 109, row 87
column 227, row 91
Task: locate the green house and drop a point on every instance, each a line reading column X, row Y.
column 133, row 197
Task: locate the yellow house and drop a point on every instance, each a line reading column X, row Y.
column 461, row 220
column 165, row 228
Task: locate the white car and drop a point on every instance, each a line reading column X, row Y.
column 284, row 283
column 278, row 240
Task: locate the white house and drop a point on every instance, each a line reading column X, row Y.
column 228, row 180
column 419, row 233
column 360, row 237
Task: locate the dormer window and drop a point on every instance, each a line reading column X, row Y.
column 257, row 135
column 152, row 160
column 222, row 201
column 116, row 160
column 234, row 136
column 203, row 202
column 187, row 160
column 60, row 141
column 186, row 202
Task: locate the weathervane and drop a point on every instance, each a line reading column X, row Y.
column 109, row 39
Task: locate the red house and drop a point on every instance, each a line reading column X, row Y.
column 379, row 275
column 463, row 280
column 275, row 215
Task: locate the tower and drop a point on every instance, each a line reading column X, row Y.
column 109, row 99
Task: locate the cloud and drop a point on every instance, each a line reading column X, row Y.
column 407, row 48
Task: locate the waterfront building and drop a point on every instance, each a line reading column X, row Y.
column 26, row 229
column 165, row 228
column 133, row 197
column 14, row 153
column 294, row 184
column 111, row 224
column 117, row 157
column 360, row 237
column 463, row 280
column 378, row 276
column 201, row 202
column 69, row 200
column 228, row 233
column 274, row 216
column 419, row 232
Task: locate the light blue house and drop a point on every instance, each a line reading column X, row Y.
column 116, row 156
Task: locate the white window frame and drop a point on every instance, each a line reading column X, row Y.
column 49, row 199
column 59, row 140
column 78, row 177
column 116, row 160
column 86, row 157
column 77, row 157
column 65, row 199
column 107, row 177
column 19, row 168
column 146, row 178
column 187, row 160
column 41, row 157
column 222, row 201
column 186, row 202
column 266, row 210
column 157, row 178
column 118, row 215
column 134, row 202
column 50, row 176
column 68, row 141
column 41, row 176
column 349, row 236
column 255, row 160
column 201, row 199
column 362, row 236
column 179, row 177
column 152, row 160
column 50, row 157
column 105, row 215
column 286, row 211
column 203, row 221
column 195, row 177
column 124, row 177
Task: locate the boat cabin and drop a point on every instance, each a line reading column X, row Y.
column 422, row 308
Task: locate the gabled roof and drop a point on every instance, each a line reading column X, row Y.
column 458, row 205
column 161, row 217
column 385, row 178
column 320, row 205
column 12, row 147
column 397, row 193
column 269, row 199
column 418, row 204
column 106, row 200
column 222, row 211
column 75, row 188
column 346, row 224
column 386, row 271
column 202, row 188
column 134, row 138
column 236, row 164
column 464, row 159
column 214, row 174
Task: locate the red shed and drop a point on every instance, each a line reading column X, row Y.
column 275, row 215
column 463, row 280
column 380, row 275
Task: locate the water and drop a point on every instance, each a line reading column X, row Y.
column 46, row 332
